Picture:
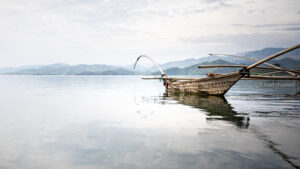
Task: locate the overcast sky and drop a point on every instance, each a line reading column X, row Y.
column 117, row 31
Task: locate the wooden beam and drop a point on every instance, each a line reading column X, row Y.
column 267, row 68
column 280, row 71
column 169, row 78
column 213, row 66
column 257, row 77
column 252, row 77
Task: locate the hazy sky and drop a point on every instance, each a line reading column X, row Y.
column 117, row 31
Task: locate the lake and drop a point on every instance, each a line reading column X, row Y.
column 110, row 122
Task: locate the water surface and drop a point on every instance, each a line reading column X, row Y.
column 125, row 122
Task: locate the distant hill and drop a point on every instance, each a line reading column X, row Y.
column 14, row 69
column 189, row 62
column 194, row 70
column 138, row 68
column 288, row 63
column 180, row 63
column 64, row 69
column 259, row 54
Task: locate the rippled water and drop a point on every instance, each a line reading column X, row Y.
column 125, row 122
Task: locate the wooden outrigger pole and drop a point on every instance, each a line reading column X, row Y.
column 244, row 66
column 252, row 77
column 267, row 73
column 219, row 84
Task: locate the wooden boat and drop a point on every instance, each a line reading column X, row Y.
column 219, row 84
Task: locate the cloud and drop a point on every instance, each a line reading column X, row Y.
column 114, row 31
column 276, row 27
column 248, row 41
column 214, row 1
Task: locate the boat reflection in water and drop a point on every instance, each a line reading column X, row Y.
column 217, row 107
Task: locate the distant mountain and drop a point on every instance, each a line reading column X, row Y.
column 260, row 54
column 257, row 54
column 189, row 62
column 194, row 70
column 288, row 63
column 14, row 69
column 138, row 68
column 64, row 69
column 180, row 63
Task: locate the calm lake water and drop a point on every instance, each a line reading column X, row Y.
column 110, row 122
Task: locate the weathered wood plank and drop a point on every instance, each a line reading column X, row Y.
column 257, row 67
column 252, row 77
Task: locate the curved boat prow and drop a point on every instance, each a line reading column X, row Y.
column 154, row 63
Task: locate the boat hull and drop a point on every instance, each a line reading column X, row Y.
column 217, row 85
